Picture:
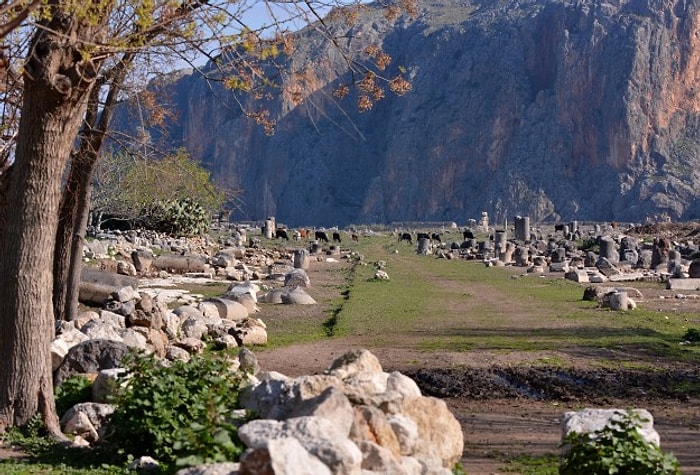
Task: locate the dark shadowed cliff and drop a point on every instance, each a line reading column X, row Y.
column 549, row 109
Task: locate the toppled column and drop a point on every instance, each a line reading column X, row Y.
column 97, row 285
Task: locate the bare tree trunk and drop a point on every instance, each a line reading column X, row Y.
column 55, row 98
column 75, row 205
column 76, row 255
column 75, row 202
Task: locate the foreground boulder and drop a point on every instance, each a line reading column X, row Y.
column 353, row 418
column 90, row 356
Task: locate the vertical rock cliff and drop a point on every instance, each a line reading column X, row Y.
column 551, row 109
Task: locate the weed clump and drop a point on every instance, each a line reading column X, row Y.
column 72, row 391
column 181, row 414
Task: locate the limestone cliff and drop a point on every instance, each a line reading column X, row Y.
column 553, row 109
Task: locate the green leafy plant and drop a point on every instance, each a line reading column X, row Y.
column 182, row 217
column 458, row 469
column 590, row 244
column 72, row 391
column 617, row 448
column 179, row 414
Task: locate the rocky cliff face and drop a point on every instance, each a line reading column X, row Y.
column 550, row 109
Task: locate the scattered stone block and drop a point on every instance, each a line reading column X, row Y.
column 683, row 284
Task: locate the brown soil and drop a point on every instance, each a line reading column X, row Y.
column 506, row 406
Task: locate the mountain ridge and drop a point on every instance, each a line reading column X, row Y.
column 557, row 110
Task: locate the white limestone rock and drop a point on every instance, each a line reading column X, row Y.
column 439, row 432
column 284, row 456
column 590, row 420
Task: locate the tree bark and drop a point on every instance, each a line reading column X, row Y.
column 70, row 237
column 55, row 98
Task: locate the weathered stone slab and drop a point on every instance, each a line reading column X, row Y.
column 97, row 276
column 630, row 277
column 683, row 284
column 229, row 309
column 180, row 264
column 97, row 285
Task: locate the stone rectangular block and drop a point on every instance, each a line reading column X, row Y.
column 683, row 284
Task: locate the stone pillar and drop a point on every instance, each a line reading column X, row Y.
column 269, row 228
column 500, row 241
column 424, row 247
column 662, row 247
column 301, row 259
column 484, row 222
column 522, row 228
column 522, row 256
column 608, row 249
column 507, row 254
column 485, row 248
column 674, row 265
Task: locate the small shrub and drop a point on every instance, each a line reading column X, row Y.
column 72, row 391
column 692, row 335
column 32, row 437
column 178, row 414
column 618, row 448
column 181, row 217
column 590, row 244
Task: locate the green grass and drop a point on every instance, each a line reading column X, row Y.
column 207, row 290
column 305, row 325
column 37, row 468
column 42, row 456
column 438, row 304
column 533, row 465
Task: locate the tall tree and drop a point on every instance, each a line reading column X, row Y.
column 57, row 83
column 73, row 44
